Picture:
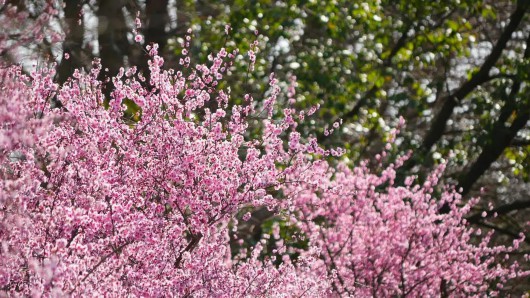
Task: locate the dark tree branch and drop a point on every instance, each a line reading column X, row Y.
column 501, row 230
column 452, row 100
column 194, row 241
column 500, row 137
column 400, row 43
column 504, row 209
column 355, row 110
column 519, row 143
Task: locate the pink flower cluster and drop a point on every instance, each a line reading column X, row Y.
column 93, row 203
column 378, row 239
column 104, row 205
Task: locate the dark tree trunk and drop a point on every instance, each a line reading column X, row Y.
column 73, row 41
column 113, row 43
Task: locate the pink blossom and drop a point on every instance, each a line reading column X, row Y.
column 91, row 204
column 247, row 216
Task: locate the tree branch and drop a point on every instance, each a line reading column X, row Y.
column 519, row 143
column 504, row 209
column 452, row 100
column 500, row 137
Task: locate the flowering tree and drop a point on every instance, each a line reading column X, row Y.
column 136, row 195
column 379, row 239
column 105, row 205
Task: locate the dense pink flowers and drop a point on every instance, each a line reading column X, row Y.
column 393, row 241
column 137, row 197
column 106, row 205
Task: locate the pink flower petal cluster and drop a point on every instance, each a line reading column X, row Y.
column 105, row 205
column 379, row 239
column 99, row 198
